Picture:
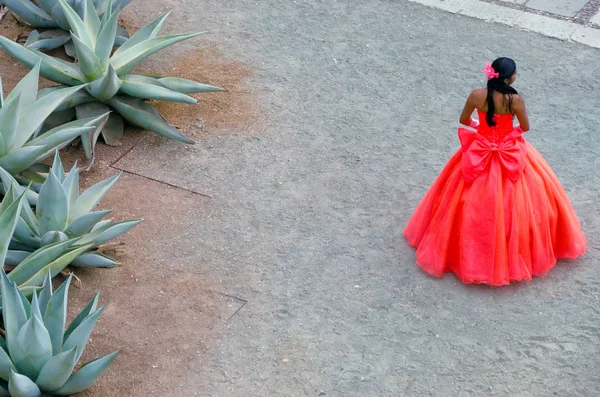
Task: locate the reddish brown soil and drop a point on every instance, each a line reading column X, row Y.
column 228, row 112
column 11, row 70
column 158, row 318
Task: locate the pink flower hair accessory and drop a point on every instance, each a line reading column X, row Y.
column 490, row 72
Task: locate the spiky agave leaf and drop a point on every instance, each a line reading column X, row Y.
column 48, row 14
column 110, row 80
column 10, row 210
column 87, row 375
column 22, row 115
column 142, row 114
column 150, row 88
column 55, row 267
column 54, row 138
column 39, row 259
column 94, row 259
column 7, row 180
column 111, row 131
column 103, row 5
column 21, row 385
column 52, row 68
column 57, row 371
column 47, row 40
column 28, row 12
column 33, row 347
column 50, row 259
column 39, row 355
column 52, row 209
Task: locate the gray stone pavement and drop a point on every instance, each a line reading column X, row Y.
column 362, row 101
column 566, row 8
column 573, row 20
column 582, row 11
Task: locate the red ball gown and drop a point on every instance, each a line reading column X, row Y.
column 496, row 213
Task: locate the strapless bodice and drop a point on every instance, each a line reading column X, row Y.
column 503, row 127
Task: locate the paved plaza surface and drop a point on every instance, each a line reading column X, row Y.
column 303, row 212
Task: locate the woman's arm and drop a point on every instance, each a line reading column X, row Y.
column 521, row 113
column 465, row 116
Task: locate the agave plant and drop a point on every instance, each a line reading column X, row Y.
column 37, row 354
column 64, row 219
column 110, row 84
column 48, row 14
column 51, row 259
column 22, row 114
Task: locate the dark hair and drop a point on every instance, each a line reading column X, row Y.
column 505, row 67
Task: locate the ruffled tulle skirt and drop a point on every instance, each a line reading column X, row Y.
column 494, row 229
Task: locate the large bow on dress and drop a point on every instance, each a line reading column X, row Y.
column 478, row 153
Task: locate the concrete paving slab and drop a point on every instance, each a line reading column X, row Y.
column 446, row 5
column 596, row 19
column 587, row 36
column 545, row 25
column 567, row 8
column 490, row 12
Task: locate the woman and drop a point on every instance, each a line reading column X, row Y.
column 496, row 213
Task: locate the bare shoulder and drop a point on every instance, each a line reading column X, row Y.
column 517, row 100
column 478, row 94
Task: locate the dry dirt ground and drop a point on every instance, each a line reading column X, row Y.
column 271, row 261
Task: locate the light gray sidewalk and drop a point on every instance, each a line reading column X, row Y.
column 580, row 11
column 573, row 20
column 362, row 101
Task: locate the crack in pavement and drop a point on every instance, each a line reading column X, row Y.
column 114, row 166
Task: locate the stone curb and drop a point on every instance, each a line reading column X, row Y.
column 562, row 30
